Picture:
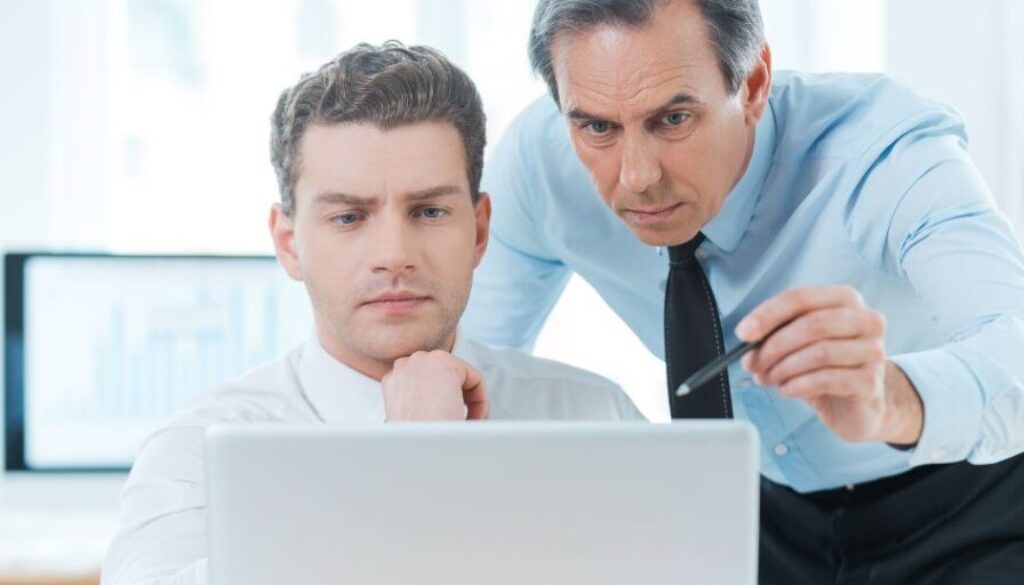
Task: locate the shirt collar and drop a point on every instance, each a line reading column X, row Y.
column 726, row 229
column 341, row 394
column 464, row 349
column 337, row 392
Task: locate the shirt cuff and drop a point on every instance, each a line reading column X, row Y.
column 952, row 403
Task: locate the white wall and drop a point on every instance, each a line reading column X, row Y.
column 25, row 153
column 24, row 145
column 970, row 55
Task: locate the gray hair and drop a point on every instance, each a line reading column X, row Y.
column 734, row 26
column 389, row 86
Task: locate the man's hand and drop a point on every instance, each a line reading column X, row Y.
column 434, row 385
column 829, row 351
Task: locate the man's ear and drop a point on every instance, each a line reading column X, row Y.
column 757, row 87
column 482, row 209
column 282, row 231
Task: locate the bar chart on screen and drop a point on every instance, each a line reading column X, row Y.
column 181, row 347
column 116, row 345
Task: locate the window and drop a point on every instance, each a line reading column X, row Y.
column 142, row 125
column 160, row 108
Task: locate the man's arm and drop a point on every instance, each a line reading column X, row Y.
column 519, row 279
column 961, row 400
column 162, row 535
column 967, row 267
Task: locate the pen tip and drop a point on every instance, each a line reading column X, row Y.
column 683, row 390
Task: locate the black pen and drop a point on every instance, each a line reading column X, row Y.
column 703, row 375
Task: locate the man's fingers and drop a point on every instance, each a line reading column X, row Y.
column 792, row 304
column 811, row 328
column 474, row 393
column 844, row 353
column 434, row 385
column 830, row 382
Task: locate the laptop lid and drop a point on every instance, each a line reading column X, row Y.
column 499, row 503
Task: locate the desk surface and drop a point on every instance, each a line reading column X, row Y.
column 42, row 547
column 92, row 579
column 55, row 529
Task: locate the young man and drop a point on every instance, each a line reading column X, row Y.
column 378, row 157
column 711, row 203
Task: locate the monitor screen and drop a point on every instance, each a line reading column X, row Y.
column 102, row 349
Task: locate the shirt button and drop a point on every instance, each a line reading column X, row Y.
column 781, row 449
column 700, row 254
column 745, row 383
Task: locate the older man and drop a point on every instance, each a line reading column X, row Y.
column 378, row 156
column 837, row 217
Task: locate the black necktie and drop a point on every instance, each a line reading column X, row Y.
column 693, row 336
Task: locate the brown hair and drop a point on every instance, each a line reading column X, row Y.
column 389, row 86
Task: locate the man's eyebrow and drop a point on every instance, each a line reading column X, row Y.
column 676, row 100
column 579, row 115
column 433, row 192
column 338, row 198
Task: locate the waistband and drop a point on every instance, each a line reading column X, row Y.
column 894, row 509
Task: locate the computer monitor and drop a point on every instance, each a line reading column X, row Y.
column 102, row 348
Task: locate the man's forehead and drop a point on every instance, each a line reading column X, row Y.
column 368, row 162
column 668, row 55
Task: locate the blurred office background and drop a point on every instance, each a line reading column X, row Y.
column 141, row 126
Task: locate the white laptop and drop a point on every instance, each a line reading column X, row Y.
column 497, row 503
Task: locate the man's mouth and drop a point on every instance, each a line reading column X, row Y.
column 650, row 215
column 393, row 302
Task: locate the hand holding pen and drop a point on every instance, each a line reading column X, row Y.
column 823, row 345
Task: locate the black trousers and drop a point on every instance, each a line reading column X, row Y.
column 958, row 523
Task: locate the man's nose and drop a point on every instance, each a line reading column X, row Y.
column 395, row 247
column 641, row 167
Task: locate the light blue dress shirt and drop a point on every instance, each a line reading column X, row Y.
column 853, row 180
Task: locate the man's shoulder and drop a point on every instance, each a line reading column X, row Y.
column 538, row 118
column 524, row 365
column 526, row 386
column 851, row 114
column 263, row 394
column 267, row 393
column 537, row 135
column 535, row 165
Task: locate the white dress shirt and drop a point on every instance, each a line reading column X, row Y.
column 162, row 532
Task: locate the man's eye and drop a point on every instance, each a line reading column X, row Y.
column 675, row 118
column 347, row 218
column 598, row 127
column 433, row 212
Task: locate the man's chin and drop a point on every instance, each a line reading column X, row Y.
column 392, row 343
column 662, row 236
